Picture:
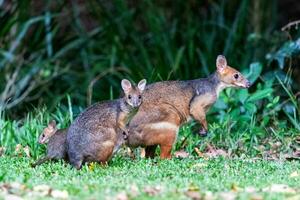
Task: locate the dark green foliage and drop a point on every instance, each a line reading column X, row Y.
column 84, row 49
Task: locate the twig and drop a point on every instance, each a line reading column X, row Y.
column 97, row 78
column 289, row 25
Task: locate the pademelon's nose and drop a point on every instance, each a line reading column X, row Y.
column 248, row 84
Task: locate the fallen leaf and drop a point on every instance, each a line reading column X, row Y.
column 212, row 152
column 2, row 151
column 227, row 195
column 15, row 187
column 12, row 197
column 250, row 189
column 143, row 152
column 294, row 174
column 181, row 154
column 27, row 151
column 134, row 191
column 199, row 153
column 193, row 187
column 208, row 195
column 18, row 150
column 256, row 197
column 122, row 196
column 152, row 191
column 42, row 190
column 280, row 188
column 193, row 195
column 297, row 139
column 216, row 153
column 294, row 197
column 59, row 194
column 235, row 188
column 91, row 166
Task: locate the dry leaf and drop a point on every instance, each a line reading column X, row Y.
column 294, row 197
column 208, row 195
column 181, row 154
column 250, row 189
column 199, row 153
column 143, row 152
column 91, row 166
column 42, row 190
column 279, row 188
column 152, row 191
column 18, row 150
column 2, row 151
column 294, row 174
column 59, row 194
column 12, row 197
column 193, row 195
column 216, row 153
column 213, row 152
column 27, row 151
column 256, row 197
column 235, row 188
column 297, row 139
column 15, row 186
column 227, row 195
column 134, row 191
column 122, row 196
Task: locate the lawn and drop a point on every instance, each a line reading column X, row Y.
column 124, row 178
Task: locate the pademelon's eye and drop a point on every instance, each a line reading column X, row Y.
column 236, row 76
column 140, row 96
column 129, row 96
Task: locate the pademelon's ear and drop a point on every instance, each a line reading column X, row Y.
column 221, row 63
column 126, row 85
column 142, row 85
column 52, row 124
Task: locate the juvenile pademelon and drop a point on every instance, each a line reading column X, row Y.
column 99, row 130
column 56, row 143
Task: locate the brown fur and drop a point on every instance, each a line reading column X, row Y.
column 56, row 147
column 168, row 104
column 98, row 131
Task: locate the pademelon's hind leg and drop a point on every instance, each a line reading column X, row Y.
column 106, row 152
column 163, row 134
column 76, row 160
column 150, row 151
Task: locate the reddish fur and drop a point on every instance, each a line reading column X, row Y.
column 173, row 102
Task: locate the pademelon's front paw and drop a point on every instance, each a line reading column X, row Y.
column 125, row 134
column 203, row 132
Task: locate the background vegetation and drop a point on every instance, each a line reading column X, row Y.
column 57, row 57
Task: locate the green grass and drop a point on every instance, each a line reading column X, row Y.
column 173, row 177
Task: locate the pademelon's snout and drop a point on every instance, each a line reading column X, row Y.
column 248, row 84
column 42, row 141
column 136, row 103
column 245, row 84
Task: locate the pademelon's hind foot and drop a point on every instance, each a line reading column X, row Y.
column 203, row 132
column 76, row 161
